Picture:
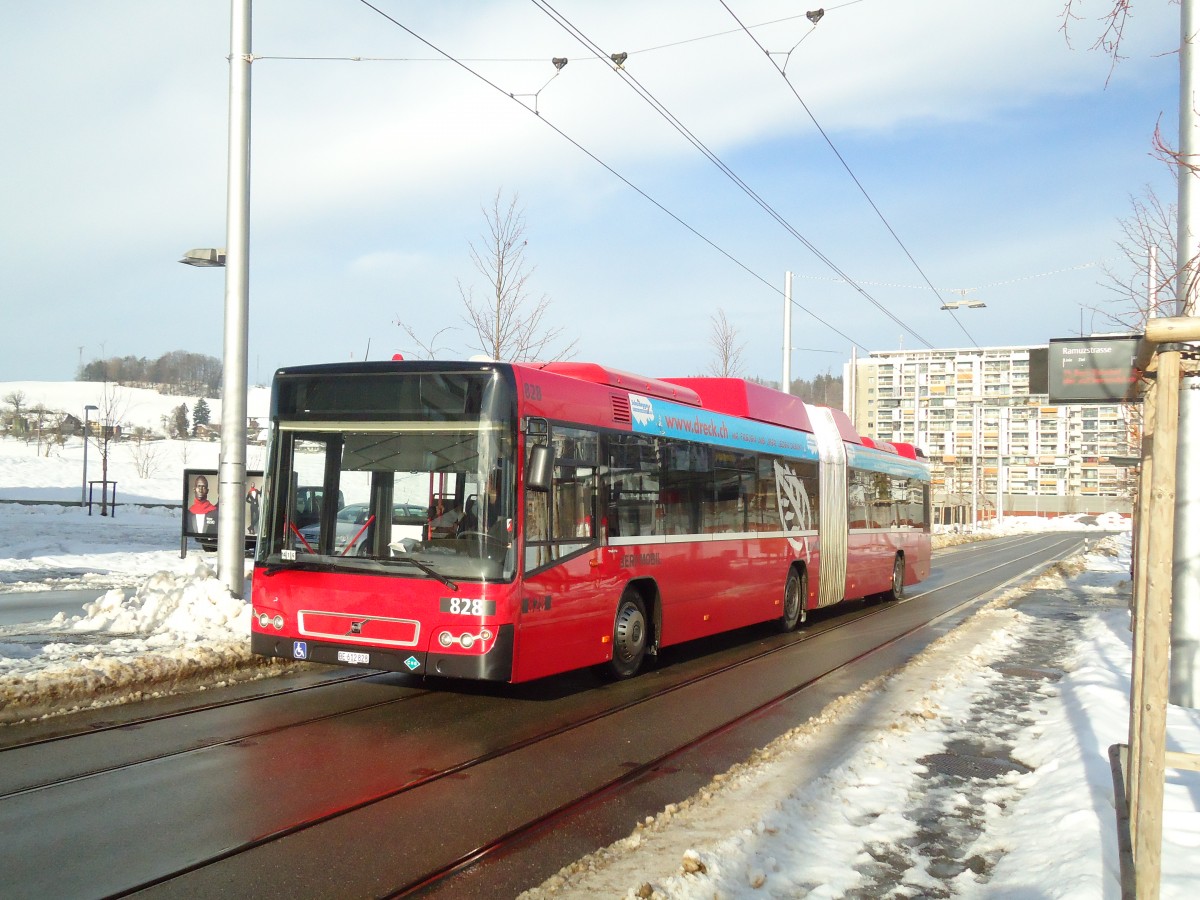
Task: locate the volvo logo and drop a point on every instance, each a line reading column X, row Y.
column 357, row 627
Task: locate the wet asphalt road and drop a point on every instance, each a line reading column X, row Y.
column 21, row 607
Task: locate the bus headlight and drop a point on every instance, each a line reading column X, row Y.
column 470, row 641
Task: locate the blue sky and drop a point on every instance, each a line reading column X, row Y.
column 996, row 151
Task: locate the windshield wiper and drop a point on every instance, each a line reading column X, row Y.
column 427, row 569
column 272, row 568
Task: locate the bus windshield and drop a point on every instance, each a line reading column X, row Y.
column 426, row 495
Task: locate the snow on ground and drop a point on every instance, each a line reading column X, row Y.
column 177, row 630
column 979, row 770
column 869, row 799
column 165, row 624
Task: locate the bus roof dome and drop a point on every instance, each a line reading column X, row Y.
column 665, row 389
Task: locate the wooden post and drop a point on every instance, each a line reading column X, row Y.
column 1152, row 730
column 1141, row 560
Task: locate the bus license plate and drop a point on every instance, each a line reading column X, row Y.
column 357, row 659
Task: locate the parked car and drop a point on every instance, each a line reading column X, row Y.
column 307, row 512
column 408, row 520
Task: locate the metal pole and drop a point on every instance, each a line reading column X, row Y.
column 106, row 432
column 1185, row 613
column 83, row 495
column 850, row 389
column 1185, row 576
column 787, row 332
column 1152, row 284
column 999, row 464
column 975, row 467
column 231, row 492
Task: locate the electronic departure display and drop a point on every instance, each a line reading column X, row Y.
column 1093, row 370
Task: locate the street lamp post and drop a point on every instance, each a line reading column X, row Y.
column 231, row 476
column 87, row 409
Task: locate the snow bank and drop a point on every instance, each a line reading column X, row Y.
column 175, row 607
column 848, row 805
column 173, row 631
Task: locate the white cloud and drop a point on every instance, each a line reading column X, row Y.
column 120, row 161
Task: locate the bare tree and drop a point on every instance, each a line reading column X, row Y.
column 1112, row 22
column 727, row 351
column 40, row 416
column 16, row 400
column 1149, row 228
column 508, row 323
column 143, row 448
column 112, row 407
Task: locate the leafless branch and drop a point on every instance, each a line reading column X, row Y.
column 1164, row 152
column 425, row 350
column 508, row 325
column 1112, row 30
column 727, row 352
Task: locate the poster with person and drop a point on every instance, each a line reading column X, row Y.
column 253, row 503
column 200, row 500
column 200, row 507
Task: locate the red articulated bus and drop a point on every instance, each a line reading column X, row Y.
column 507, row 521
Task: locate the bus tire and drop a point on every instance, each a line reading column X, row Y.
column 795, row 593
column 896, row 591
column 630, row 637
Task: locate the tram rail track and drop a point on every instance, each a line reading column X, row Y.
column 436, row 792
column 547, row 821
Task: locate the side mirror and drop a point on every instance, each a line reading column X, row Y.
column 537, row 476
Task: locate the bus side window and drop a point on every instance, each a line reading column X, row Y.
column 562, row 521
column 633, row 476
column 537, row 517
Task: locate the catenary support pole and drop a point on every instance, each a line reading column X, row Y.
column 1185, row 579
column 999, row 464
column 975, row 447
column 231, row 515
column 787, row 333
column 1185, row 614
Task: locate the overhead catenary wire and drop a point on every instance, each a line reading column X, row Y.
column 539, row 59
column 606, row 166
column 706, row 37
column 882, row 218
column 695, row 141
column 990, row 284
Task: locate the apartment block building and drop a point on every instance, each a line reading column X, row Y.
column 994, row 441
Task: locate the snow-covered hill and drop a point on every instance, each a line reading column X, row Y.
column 148, row 472
column 134, row 406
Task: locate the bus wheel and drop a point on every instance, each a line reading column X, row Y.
column 795, row 592
column 629, row 637
column 896, row 591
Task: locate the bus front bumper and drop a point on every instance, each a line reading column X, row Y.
column 495, row 665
